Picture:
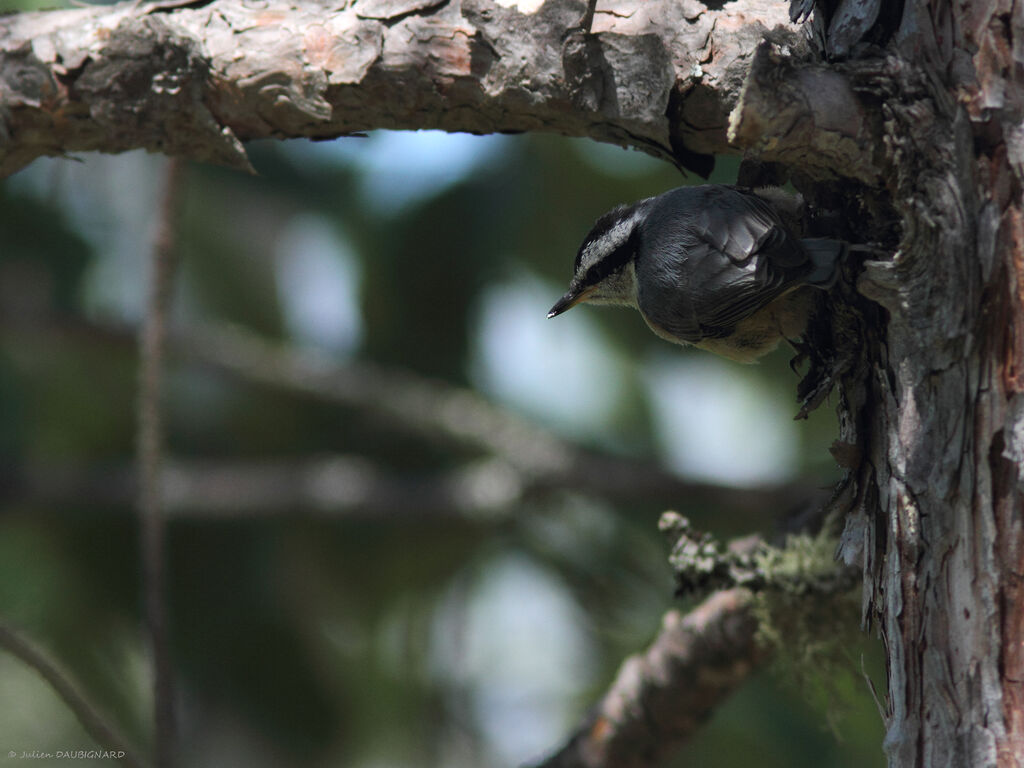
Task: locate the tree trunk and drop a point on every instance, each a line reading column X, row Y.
column 938, row 412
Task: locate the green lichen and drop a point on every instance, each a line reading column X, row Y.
column 809, row 615
column 807, row 605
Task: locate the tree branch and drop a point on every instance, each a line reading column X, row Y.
column 88, row 715
column 435, row 408
column 807, row 116
column 662, row 695
column 198, row 78
column 351, row 486
column 801, row 564
column 532, row 461
column 149, row 447
column 425, row 406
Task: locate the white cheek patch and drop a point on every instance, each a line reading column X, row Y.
column 618, row 288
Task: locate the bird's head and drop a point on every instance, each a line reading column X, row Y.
column 604, row 270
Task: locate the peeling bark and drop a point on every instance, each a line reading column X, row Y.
column 806, row 116
column 198, row 79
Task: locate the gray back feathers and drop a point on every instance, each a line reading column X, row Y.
column 710, row 256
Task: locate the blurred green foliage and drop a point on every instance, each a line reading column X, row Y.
column 300, row 640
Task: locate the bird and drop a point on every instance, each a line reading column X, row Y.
column 713, row 266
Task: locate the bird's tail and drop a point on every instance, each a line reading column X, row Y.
column 825, row 255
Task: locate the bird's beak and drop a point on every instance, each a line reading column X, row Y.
column 572, row 297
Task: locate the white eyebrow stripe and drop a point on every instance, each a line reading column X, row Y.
column 609, row 241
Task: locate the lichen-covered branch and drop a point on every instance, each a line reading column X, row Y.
column 804, row 564
column 663, row 694
column 199, row 78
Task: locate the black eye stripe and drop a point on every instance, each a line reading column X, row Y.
column 613, row 262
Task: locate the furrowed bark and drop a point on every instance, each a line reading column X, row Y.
column 932, row 421
column 938, row 410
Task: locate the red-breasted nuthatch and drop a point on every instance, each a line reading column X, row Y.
column 713, row 266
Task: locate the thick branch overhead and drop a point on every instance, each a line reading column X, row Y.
column 198, row 80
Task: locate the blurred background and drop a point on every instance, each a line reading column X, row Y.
column 371, row 562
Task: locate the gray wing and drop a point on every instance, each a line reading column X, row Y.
column 711, row 256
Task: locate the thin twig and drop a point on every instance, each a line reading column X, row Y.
column 149, row 448
column 587, row 22
column 70, row 693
